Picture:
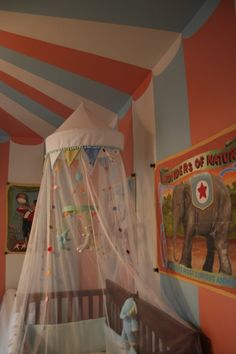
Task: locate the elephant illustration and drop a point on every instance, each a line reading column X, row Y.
column 203, row 207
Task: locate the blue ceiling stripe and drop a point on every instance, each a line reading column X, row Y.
column 4, row 137
column 99, row 93
column 32, row 106
column 171, row 108
column 125, row 108
column 200, row 17
column 172, row 15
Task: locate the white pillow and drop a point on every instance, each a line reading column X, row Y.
column 72, row 338
column 115, row 344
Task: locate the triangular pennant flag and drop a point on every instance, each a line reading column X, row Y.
column 54, row 156
column 92, row 153
column 70, row 155
column 104, row 161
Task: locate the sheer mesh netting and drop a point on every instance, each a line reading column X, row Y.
column 80, row 287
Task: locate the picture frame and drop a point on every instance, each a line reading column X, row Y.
column 21, row 202
column 196, row 237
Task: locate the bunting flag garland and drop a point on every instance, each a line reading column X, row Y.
column 54, row 156
column 92, row 153
column 70, row 155
column 104, row 162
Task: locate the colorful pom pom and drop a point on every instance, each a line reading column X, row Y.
column 50, row 249
column 79, row 177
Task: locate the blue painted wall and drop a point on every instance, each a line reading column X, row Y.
column 171, row 108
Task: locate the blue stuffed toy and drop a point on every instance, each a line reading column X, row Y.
column 130, row 323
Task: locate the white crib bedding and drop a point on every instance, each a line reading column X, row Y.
column 105, row 340
column 5, row 316
column 90, row 336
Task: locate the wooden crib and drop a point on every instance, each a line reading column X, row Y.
column 156, row 328
column 65, row 304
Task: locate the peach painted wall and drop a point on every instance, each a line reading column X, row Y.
column 4, row 157
column 210, row 63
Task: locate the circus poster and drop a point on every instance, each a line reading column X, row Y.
column 196, row 213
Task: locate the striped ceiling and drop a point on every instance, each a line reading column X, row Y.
column 55, row 54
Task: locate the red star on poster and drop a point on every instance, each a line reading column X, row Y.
column 202, row 191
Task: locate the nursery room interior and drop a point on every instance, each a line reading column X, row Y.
column 118, row 177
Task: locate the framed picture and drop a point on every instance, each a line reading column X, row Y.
column 21, row 202
column 196, row 213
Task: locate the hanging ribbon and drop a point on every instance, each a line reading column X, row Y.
column 63, row 239
column 73, row 209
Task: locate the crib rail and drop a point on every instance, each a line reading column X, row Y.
column 65, row 306
column 115, row 297
column 157, row 330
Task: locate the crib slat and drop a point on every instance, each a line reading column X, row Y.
column 109, row 311
column 162, row 345
column 69, row 309
column 120, row 322
column 113, row 316
column 37, row 312
column 81, row 316
column 100, row 305
column 156, row 342
column 141, row 341
column 90, row 304
column 54, row 300
column 116, row 319
column 148, row 340
column 59, row 310
column 47, row 312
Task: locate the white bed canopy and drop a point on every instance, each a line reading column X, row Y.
column 83, row 235
column 84, row 129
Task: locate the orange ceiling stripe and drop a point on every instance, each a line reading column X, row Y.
column 36, row 95
column 17, row 130
column 210, row 58
column 142, row 87
column 121, row 76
